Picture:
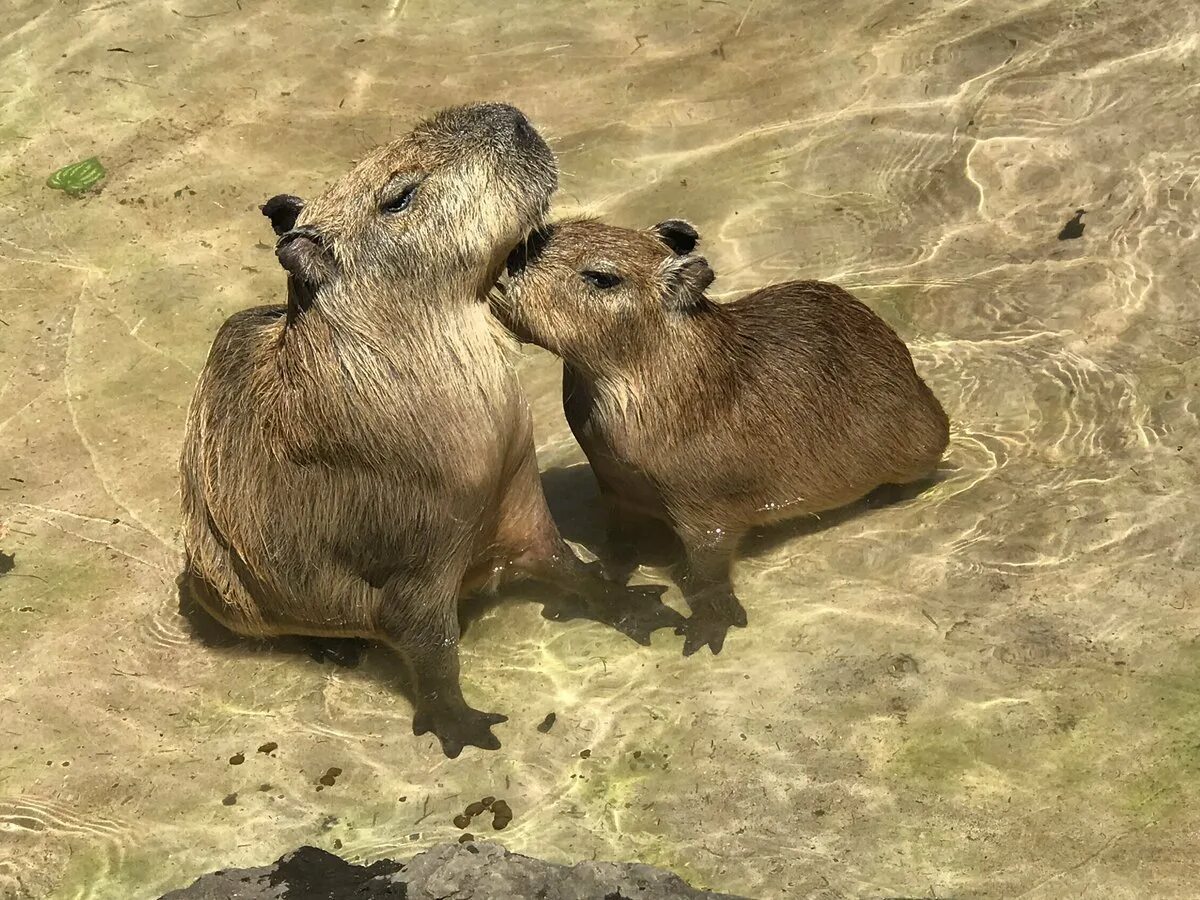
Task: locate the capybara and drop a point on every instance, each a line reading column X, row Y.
column 359, row 457
column 716, row 417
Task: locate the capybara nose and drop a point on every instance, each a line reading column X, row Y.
column 517, row 260
column 527, row 251
column 502, row 117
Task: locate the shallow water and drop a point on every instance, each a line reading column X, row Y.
column 989, row 690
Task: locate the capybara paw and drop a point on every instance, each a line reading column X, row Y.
column 458, row 727
column 708, row 626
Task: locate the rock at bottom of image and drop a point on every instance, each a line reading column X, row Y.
column 464, row 871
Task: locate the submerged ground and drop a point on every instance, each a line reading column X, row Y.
column 991, row 690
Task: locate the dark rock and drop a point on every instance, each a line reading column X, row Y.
column 464, row 871
column 304, row 874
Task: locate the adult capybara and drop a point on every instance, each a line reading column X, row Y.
column 358, row 458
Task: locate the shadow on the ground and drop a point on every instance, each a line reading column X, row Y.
column 574, row 499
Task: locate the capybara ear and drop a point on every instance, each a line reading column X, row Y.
column 677, row 234
column 282, row 210
column 686, row 278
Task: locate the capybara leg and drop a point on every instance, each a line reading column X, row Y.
column 528, row 535
column 424, row 630
column 709, row 592
column 625, row 532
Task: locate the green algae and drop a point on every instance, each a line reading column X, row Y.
column 78, row 178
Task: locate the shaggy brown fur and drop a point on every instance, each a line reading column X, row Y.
column 716, row 417
column 357, row 459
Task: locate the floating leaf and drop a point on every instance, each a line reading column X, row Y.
column 78, row 177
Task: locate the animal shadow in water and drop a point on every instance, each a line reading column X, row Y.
column 384, row 666
column 771, row 537
column 574, row 500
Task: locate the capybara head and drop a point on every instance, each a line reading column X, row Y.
column 598, row 295
column 445, row 202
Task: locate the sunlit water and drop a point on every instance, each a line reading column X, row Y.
column 990, row 690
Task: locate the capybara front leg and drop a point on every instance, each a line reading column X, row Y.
column 424, row 630
column 709, row 591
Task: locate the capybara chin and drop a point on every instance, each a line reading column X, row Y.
column 716, row 417
column 358, row 458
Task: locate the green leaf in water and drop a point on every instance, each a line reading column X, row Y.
column 77, row 177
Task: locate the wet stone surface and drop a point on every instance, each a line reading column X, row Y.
column 463, row 871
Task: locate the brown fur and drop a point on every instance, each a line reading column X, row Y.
column 357, row 459
column 713, row 417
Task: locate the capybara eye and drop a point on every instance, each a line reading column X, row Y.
column 601, row 280
column 400, row 202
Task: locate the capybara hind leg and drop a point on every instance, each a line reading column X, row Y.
column 422, row 626
column 709, row 591
column 217, row 606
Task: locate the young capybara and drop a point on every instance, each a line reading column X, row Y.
column 715, row 417
column 357, row 459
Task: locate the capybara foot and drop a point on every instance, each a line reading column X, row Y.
column 458, row 726
column 712, row 617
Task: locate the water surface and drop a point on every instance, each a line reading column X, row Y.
column 989, row 690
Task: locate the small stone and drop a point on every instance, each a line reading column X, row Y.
column 466, row 838
column 329, row 779
column 585, row 754
column 547, row 723
column 268, row 747
column 237, row 759
column 230, row 800
column 462, row 821
column 475, row 808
